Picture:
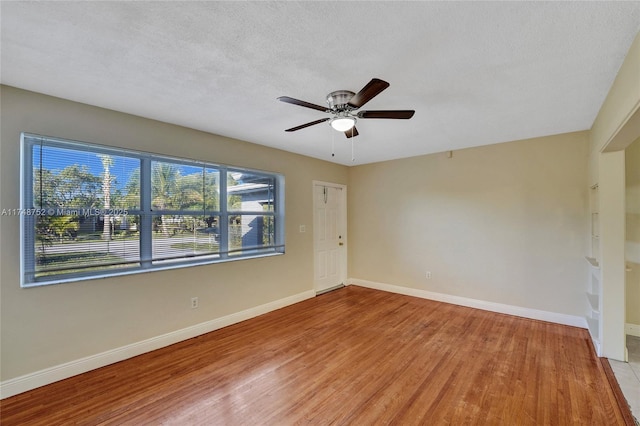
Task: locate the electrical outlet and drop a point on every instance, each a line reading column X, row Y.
column 428, row 275
column 303, row 229
column 194, row 302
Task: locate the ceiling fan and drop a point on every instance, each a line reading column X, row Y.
column 343, row 105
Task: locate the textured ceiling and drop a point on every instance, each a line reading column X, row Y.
column 476, row 73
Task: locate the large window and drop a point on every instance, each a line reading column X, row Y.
column 90, row 210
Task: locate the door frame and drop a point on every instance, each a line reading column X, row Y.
column 342, row 226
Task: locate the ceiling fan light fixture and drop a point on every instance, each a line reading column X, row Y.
column 342, row 124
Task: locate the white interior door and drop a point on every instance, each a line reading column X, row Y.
column 329, row 234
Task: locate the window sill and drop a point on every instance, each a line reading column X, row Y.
column 141, row 270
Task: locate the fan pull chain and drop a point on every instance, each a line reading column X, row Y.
column 333, row 142
column 353, row 157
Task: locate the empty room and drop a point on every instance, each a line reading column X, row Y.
column 283, row 212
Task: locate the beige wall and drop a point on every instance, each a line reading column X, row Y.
column 632, row 170
column 504, row 223
column 46, row 326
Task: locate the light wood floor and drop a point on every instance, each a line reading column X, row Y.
column 352, row 356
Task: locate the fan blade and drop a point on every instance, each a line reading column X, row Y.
column 302, row 126
column 351, row 133
column 399, row 114
column 368, row 92
column 289, row 100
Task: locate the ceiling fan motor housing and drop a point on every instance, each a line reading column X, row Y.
column 338, row 100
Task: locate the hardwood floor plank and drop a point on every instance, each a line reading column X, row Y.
column 352, row 356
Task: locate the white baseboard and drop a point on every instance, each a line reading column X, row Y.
column 53, row 374
column 632, row 329
column 519, row 311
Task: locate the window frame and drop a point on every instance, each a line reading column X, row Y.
column 145, row 211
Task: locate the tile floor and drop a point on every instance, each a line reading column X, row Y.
column 628, row 375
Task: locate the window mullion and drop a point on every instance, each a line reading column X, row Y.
column 224, row 216
column 146, row 219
